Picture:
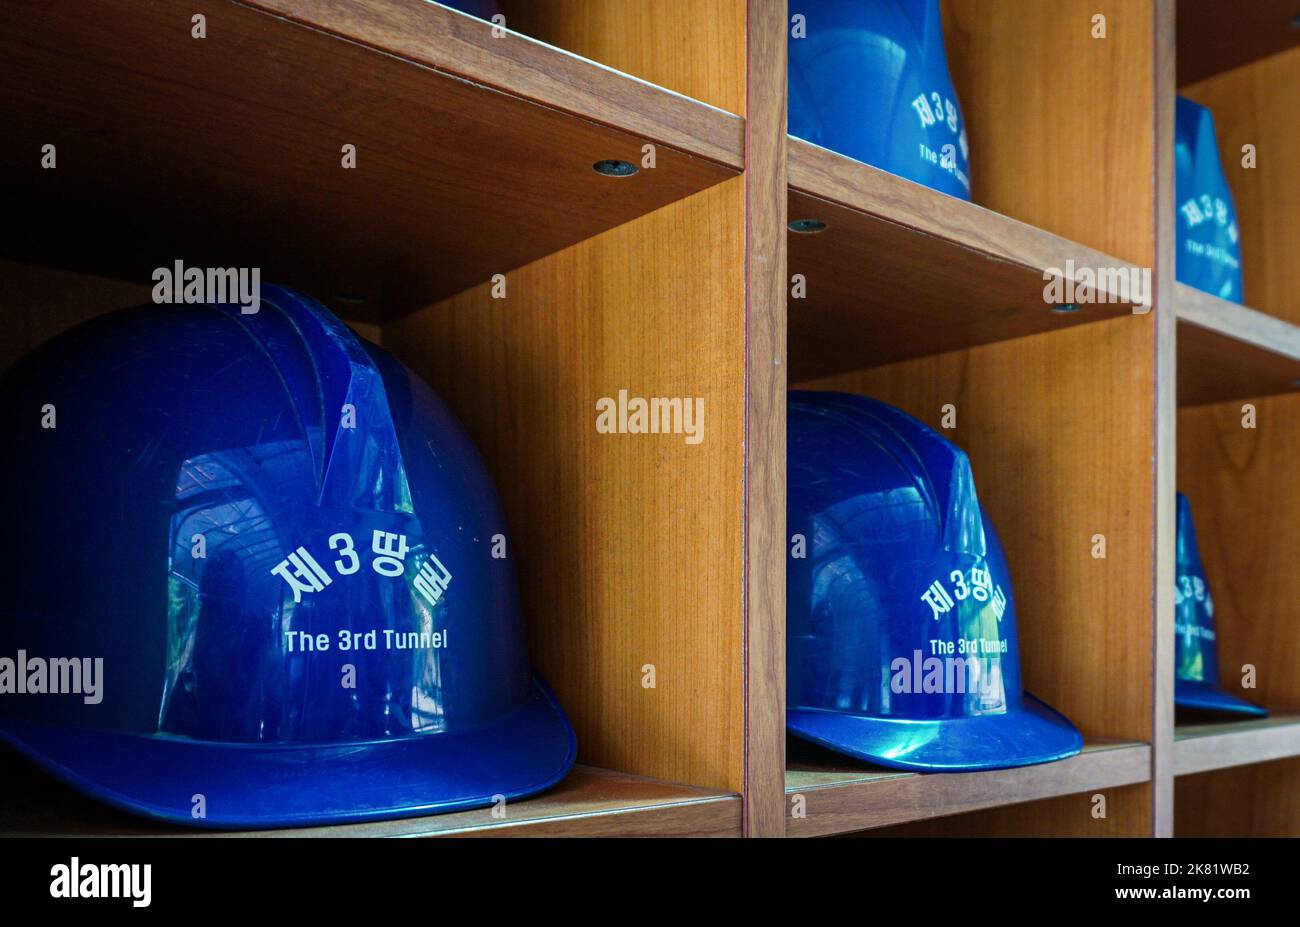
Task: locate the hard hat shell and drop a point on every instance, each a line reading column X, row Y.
column 279, row 542
column 1196, row 649
column 1209, row 249
column 483, row 9
column 901, row 623
column 870, row 81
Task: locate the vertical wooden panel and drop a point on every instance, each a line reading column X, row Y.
column 1166, row 414
column 765, row 436
column 40, row 302
column 1241, row 486
column 696, row 47
column 1241, row 483
column 1259, row 104
column 1060, row 123
column 1244, row 801
column 628, row 547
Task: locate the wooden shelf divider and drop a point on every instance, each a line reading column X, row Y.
column 1228, row 351
column 958, row 275
column 843, row 798
column 1204, row 747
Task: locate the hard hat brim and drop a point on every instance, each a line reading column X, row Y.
column 1033, row 733
column 254, row 786
column 1204, row 696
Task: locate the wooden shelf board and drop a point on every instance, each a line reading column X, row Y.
column 1203, row 747
column 590, row 802
column 1228, row 351
column 842, row 797
column 903, row 271
column 474, row 154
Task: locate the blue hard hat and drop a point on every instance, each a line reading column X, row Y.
column 901, row 623
column 1209, row 249
column 1196, row 648
column 281, row 546
column 483, row 9
column 870, row 81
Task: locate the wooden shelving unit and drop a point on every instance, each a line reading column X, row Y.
column 959, row 275
column 929, row 303
column 1227, row 351
column 838, row 797
column 473, row 154
column 1238, row 418
column 474, row 158
column 474, row 163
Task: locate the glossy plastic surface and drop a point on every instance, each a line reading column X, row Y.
column 869, row 79
column 1209, row 249
column 280, row 543
column 901, row 624
column 1196, row 649
column 483, row 9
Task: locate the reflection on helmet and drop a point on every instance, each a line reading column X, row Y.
column 1208, row 241
column 279, row 542
column 1196, row 646
column 483, row 9
column 901, row 623
column 869, row 79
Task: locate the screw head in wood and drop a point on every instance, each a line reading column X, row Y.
column 614, row 168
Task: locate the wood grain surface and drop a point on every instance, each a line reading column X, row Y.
column 1237, row 479
column 902, row 270
column 1165, row 456
column 842, row 798
column 1227, row 351
column 1240, row 742
column 1127, row 813
column 694, row 47
column 1262, row 800
column 434, row 36
column 1061, row 423
column 1214, row 36
column 1259, row 104
column 1240, row 483
column 765, row 421
column 628, row 547
column 1061, row 125
column 227, row 150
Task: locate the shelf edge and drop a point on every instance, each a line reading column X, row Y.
column 1240, row 323
column 873, row 803
column 522, row 67
column 1240, row 744
column 826, row 175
